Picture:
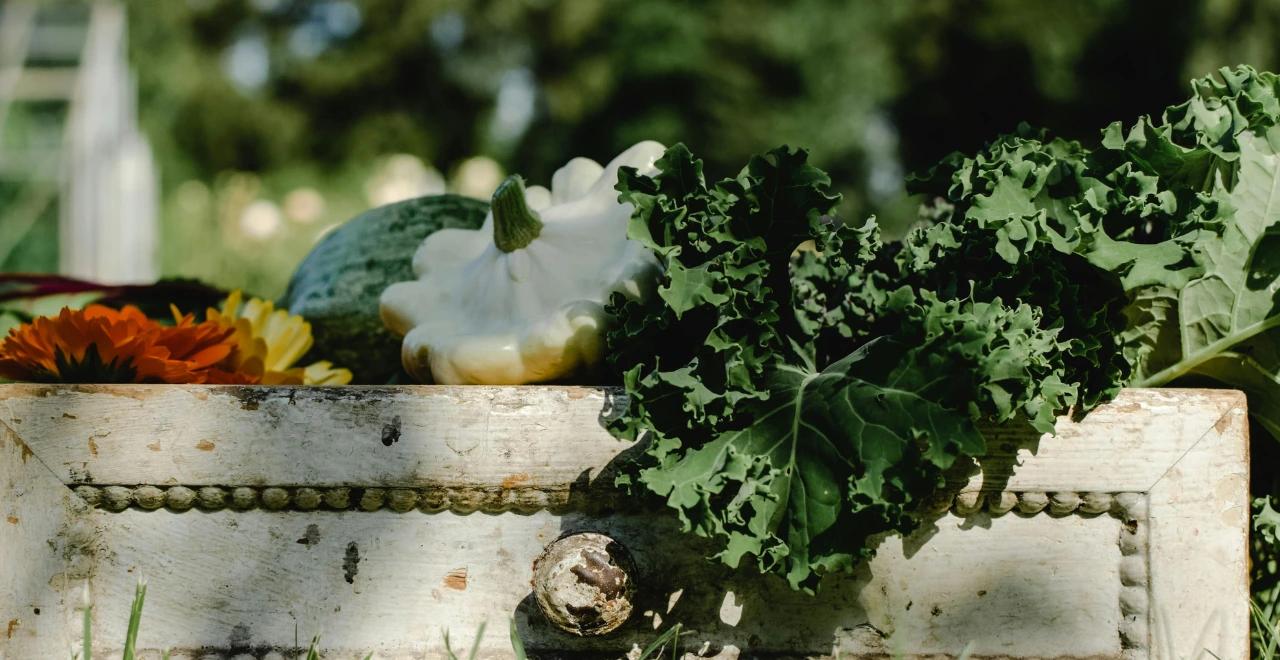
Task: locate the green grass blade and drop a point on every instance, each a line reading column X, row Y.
column 517, row 646
column 448, row 648
column 1203, row 641
column 313, row 653
column 135, row 621
column 475, row 646
column 88, row 632
column 1268, row 632
column 657, row 644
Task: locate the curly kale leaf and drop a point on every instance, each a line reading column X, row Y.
column 750, row 441
column 830, row 458
column 1024, row 221
column 695, row 354
column 803, row 384
column 799, row 402
column 1184, row 209
column 1213, row 317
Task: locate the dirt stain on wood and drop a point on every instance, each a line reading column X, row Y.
column 350, row 563
column 250, row 397
column 240, row 636
column 93, row 446
column 205, row 445
column 12, row 520
column 311, row 537
column 13, row 625
column 1224, row 423
column 26, row 451
column 391, row 432
column 456, row 579
column 515, row 480
column 155, row 446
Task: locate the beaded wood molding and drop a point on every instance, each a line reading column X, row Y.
column 495, row 499
column 434, row 499
column 1130, row 508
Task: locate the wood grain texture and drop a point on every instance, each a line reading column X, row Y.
column 1126, row 445
column 1199, row 522
column 531, row 437
column 1093, row 543
column 42, row 566
column 394, row 583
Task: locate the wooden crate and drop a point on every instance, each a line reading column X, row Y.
column 381, row 517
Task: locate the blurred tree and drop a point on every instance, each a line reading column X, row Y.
column 873, row 88
column 1070, row 66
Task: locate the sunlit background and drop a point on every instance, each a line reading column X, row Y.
column 219, row 139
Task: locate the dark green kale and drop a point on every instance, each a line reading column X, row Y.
column 805, row 385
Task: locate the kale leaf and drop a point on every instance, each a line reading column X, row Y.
column 1214, row 320
column 804, row 385
column 798, row 402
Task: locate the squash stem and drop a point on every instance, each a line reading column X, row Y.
column 515, row 225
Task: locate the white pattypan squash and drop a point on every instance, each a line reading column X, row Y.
column 521, row 300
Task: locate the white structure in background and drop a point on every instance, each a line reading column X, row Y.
column 478, row 177
column 108, row 225
column 401, row 177
column 107, row 179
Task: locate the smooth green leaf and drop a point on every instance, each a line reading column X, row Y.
column 1225, row 315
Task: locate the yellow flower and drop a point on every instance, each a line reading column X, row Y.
column 270, row 341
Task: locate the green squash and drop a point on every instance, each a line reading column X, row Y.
column 337, row 286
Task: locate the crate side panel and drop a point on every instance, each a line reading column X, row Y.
column 1124, row 445
column 393, row 583
column 1199, row 513
column 533, row 437
column 42, row 567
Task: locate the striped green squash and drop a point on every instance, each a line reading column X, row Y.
column 336, row 288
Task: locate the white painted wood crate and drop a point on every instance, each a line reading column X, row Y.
column 379, row 517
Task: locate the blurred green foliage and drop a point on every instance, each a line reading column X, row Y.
column 315, row 92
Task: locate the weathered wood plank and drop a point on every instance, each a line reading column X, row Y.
column 1199, row 530
column 534, row 436
column 42, row 569
column 392, row 583
column 1127, row 519
column 403, row 436
column 1126, row 445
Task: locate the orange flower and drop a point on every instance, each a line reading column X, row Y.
column 103, row 345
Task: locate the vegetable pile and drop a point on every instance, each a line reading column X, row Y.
column 800, row 401
column 803, row 385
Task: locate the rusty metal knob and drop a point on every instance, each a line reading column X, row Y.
column 585, row 584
